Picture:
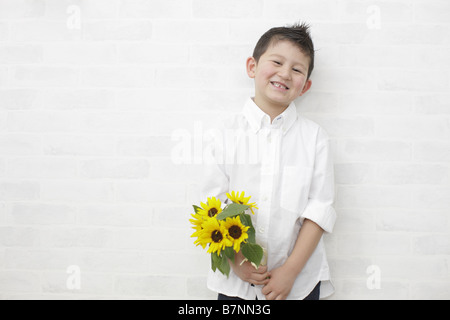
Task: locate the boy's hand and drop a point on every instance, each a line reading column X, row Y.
column 280, row 284
column 247, row 272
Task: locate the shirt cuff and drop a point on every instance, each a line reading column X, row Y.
column 322, row 214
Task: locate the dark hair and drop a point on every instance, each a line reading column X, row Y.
column 298, row 34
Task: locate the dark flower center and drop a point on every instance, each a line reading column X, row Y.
column 212, row 212
column 235, row 232
column 216, row 236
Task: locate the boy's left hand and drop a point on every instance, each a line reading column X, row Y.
column 280, row 284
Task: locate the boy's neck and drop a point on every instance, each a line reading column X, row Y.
column 271, row 110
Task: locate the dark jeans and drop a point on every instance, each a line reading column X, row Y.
column 314, row 295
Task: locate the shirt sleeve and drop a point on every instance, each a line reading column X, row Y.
column 319, row 208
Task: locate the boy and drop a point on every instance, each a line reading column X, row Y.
column 283, row 161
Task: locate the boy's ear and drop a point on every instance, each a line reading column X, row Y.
column 251, row 66
column 306, row 87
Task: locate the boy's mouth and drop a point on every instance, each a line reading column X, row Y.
column 279, row 85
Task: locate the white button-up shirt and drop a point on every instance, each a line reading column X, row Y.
column 286, row 167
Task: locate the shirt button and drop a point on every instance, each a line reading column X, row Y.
column 261, row 229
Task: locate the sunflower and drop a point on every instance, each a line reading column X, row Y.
column 237, row 232
column 239, row 198
column 214, row 233
column 197, row 223
column 211, row 208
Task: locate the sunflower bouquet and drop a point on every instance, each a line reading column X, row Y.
column 226, row 231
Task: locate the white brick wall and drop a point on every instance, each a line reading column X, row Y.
column 91, row 92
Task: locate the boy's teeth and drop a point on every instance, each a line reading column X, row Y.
column 276, row 84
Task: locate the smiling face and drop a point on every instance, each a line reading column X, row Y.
column 280, row 75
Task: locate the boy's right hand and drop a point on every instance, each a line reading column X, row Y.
column 247, row 272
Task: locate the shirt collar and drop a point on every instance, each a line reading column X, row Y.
column 258, row 118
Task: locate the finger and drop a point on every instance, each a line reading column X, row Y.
column 271, row 295
column 259, row 282
column 266, row 290
column 259, row 276
column 261, row 269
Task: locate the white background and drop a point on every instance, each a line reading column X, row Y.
column 92, row 204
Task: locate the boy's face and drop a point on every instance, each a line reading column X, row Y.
column 280, row 75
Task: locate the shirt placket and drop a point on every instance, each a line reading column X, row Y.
column 269, row 167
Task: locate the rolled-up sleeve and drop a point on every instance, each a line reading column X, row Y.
column 320, row 208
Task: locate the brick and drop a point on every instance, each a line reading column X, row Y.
column 150, row 192
column 118, row 76
column 20, row 144
column 86, row 145
column 15, row 236
column 76, row 54
column 431, row 244
column 432, row 12
column 432, row 150
column 291, row 10
column 43, row 30
column 114, row 169
column 375, row 150
column 148, row 53
column 24, row 54
column 73, row 98
column 330, row 80
column 75, row 191
column 195, row 31
column 217, row 9
column 42, row 214
column 432, row 104
column 19, row 9
column 123, row 30
column 17, row 99
column 44, row 76
column 148, row 285
column 119, row 215
column 43, row 121
column 372, row 196
column 411, row 220
column 390, row 11
column 16, row 281
column 88, row 10
column 423, row 127
column 170, row 9
column 42, row 168
column 19, row 190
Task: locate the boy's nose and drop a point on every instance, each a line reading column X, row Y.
column 285, row 73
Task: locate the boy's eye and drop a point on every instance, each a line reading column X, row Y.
column 297, row 70
column 276, row 62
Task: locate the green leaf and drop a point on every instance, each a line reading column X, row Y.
column 229, row 253
column 246, row 219
column 225, row 266
column 220, row 262
column 215, row 261
column 232, row 210
column 196, row 208
column 253, row 252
